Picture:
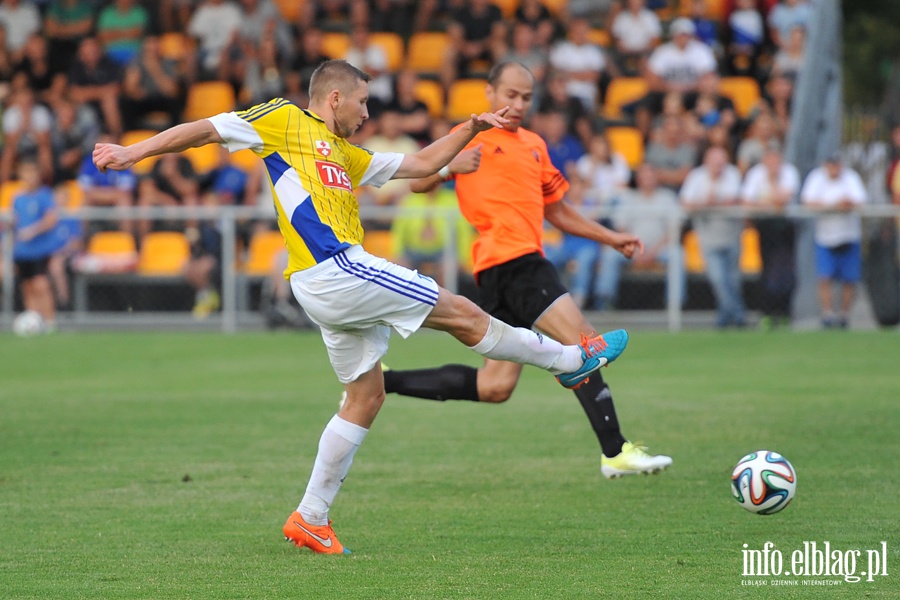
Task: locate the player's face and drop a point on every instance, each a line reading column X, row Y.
column 351, row 110
column 514, row 89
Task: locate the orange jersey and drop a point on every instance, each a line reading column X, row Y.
column 505, row 198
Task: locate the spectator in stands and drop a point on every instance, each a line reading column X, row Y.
column 761, row 133
column 534, row 14
column 172, row 182
column 420, row 228
column 605, row 173
column 94, row 80
column 151, row 84
column 746, row 35
column 412, row 112
column 394, row 16
column 390, row 138
column 671, row 155
column 525, row 50
column 674, row 67
column 647, row 212
column 67, row 245
column 372, row 59
column 7, row 65
column 308, row 56
column 66, row 24
column 563, row 148
column 636, row 31
column 35, row 218
column 263, row 78
column 477, row 34
column 710, row 107
column 35, row 66
column 582, row 63
column 706, row 29
column 261, row 21
column 73, row 134
column 120, row 28
column 714, row 184
column 26, row 135
column 20, row 20
column 789, row 59
column 335, row 14
column 771, row 186
column 786, row 16
column 556, row 98
column 215, row 25
column 779, row 93
column 837, row 192
column 109, row 188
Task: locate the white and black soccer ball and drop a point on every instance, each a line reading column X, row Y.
column 764, row 482
column 28, row 323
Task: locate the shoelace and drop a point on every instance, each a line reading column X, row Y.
column 640, row 448
column 593, row 345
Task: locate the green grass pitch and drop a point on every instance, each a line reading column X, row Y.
column 163, row 466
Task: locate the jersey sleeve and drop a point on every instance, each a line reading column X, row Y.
column 553, row 185
column 237, row 133
column 372, row 168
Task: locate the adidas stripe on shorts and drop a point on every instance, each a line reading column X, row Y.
column 356, row 299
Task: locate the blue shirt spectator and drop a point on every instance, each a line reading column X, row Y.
column 30, row 208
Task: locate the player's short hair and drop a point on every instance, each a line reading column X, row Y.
column 497, row 71
column 335, row 75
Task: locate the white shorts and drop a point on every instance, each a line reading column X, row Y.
column 356, row 298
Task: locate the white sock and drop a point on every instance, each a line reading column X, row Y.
column 517, row 344
column 337, row 446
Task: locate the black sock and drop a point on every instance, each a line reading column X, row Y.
column 596, row 400
column 450, row 382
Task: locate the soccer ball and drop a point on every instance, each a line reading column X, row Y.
column 28, row 323
column 763, row 482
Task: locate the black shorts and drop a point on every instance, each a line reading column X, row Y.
column 28, row 269
column 518, row 292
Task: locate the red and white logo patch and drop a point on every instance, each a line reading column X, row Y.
column 323, row 148
column 333, row 176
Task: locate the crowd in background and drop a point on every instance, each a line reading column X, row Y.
column 73, row 72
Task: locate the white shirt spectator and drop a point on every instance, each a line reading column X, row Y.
column 19, row 22
column 636, row 32
column 567, row 56
column 647, row 217
column 14, row 121
column 214, row 25
column 783, row 18
column 675, row 65
column 604, row 181
column 758, row 188
column 373, row 60
column 835, row 229
column 714, row 231
column 747, row 27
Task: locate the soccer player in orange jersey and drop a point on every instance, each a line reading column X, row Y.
column 507, row 186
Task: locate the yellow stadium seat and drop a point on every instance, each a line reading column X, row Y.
column 432, row 94
column 289, row 9
column 163, row 253
column 379, row 243
column 621, row 91
column 392, row 44
column 555, row 6
column 73, row 194
column 628, row 142
column 743, row 92
column 208, row 98
column 693, row 257
column 715, row 9
column 427, row 51
column 175, row 45
column 264, row 247
column 335, row 44
column 600, row 37
column 751, row 260
column 508, row 7
column 112, row 243
column 466, row 96
column 245, row 160
column 8, row 192
column 203, row 158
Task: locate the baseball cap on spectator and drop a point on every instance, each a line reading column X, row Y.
column 682, row 25
column 833, row 157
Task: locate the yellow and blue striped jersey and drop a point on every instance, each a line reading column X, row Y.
column 312, row 173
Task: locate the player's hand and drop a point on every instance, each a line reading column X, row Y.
column 466, row 161
column 112, row 156
column 629, row 245
column 487, row 120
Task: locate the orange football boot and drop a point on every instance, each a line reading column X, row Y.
column 318, row 538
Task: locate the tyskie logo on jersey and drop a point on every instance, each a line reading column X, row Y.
column 323, row 148
column 333, row 176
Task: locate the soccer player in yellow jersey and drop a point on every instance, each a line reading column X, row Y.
column 354, row 297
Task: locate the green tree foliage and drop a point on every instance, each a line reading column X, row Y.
column 871, row 49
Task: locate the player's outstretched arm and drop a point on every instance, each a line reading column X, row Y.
column 439, row 153
column 466, row 161
column 175, row 139
column 567, row 219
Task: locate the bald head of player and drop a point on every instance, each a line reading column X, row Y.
column 338, row 93
column 511, row 84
